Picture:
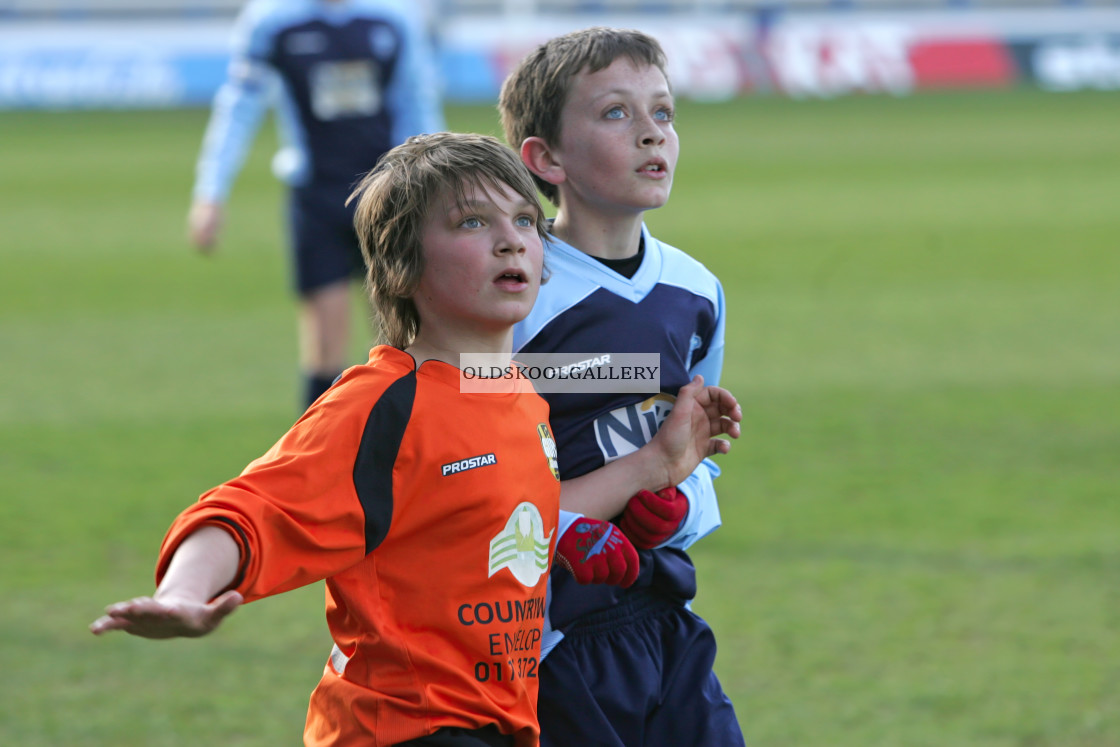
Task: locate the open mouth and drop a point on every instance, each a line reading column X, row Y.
column 513, row 276
column 656, row 167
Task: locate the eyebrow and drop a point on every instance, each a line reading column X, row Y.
column 475, row 204
column 663, row 93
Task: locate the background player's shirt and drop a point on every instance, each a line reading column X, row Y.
column 673, row 306
column 349, row 81
column 432, row 516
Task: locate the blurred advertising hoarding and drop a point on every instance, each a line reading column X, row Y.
column 111, row 65
column 181, row 62
column 710, row 57
column 822, row 55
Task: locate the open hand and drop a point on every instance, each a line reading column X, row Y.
column 149, row 617
column 688, row 434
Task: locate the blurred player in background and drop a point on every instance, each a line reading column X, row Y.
column 349, row 80
column 592, row 114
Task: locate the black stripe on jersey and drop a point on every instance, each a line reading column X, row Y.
column 377, row 453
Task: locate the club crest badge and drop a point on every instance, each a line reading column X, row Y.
column 548, row 443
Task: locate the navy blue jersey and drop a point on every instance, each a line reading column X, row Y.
column 672, row 306
column 349, row 80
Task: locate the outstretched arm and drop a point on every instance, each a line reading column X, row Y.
column 687, row 436
column 184, row 605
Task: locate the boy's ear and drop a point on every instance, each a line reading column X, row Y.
column 538, row 156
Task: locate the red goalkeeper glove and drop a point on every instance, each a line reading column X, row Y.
column 652, row 518
column 597, row 552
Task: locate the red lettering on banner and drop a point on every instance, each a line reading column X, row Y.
column 956, row 63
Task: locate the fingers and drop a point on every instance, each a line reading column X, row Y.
column 661, row 504
column 639, row 534
column 719, row 446
column 716, row 401
column 227, row 602
column 151, row 618
column 203, row 224
column 693, row 390
column 719, row 402
column 726, row 427
column 105, row 624
column 624, row 571
column 125, row 615
column 726, row 403
column 651, row 518
column 722, row 409
column 597, row 552
column 667, row 504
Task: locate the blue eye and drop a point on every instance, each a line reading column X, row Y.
column 524, row 221
column 663, row 115
column 616, row 113
column 471, row 222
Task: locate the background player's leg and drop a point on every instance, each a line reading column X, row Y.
column 324, row 336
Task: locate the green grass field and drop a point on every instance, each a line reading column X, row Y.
column 921, row 539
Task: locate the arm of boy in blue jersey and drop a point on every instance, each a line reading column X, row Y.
column 595, row 550
column 647, row 520
column 688, row 436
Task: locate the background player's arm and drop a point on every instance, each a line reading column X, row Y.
column 238, row 110
column 686, row 438
column 185, row 603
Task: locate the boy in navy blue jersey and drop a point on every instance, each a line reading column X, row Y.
column 353, row 79
column 592, row 115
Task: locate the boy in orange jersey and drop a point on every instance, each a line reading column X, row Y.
column 397, row 471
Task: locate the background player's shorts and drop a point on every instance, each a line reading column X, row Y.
column 324, row 247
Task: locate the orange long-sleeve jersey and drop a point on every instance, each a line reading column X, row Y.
column 431, row 514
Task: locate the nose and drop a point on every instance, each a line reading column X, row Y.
column 509, row 239
column 650, row 132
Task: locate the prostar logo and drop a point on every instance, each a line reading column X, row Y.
column 474, row 462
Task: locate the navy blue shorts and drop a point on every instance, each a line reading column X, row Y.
column 638, row 674
column 324, row 246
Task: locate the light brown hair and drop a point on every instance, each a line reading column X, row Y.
column 393, row 201
column 533, row 96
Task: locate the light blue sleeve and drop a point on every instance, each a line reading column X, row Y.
column 567, row 518
column 415, row 94
column 711, row 365
column 703, row 509
column 550, row 637
column 239, row 107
